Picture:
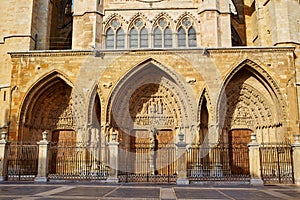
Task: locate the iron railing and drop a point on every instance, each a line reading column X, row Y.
column 141, row 163
column 276, row 163
column 22, row 161
column 71, row 161
column 222, row 162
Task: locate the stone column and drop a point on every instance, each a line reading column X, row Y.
column 43, row 159
column 3, row 143
column 254, row 161
column 182, row 161
column 296, row 159
column 113, row 160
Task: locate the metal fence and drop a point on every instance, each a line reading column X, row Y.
column 143, row 164
column 276, row 163
column 71, row 161
column 22, row 161
column 222, row 162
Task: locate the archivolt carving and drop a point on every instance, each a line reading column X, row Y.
column 170, row 81
column 248, row 108
column 273, row 85
column 137, row 15
column 111, row 18
column 53, row 110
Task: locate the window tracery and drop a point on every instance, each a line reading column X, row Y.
column 186, row 34
column 138, row 35
column 162, row 34
column 115, row 35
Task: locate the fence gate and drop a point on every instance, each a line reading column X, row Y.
column 143, row 164
column 77, row 161
column 22, row 161
column 219, row 163
column 276, row 163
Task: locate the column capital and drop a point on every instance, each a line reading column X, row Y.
column 253, row 145
column 296, row 145
column 113, row 143
column 43, row 142
column 181, row 145
column 3, row 142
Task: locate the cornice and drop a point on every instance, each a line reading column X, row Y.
column 251, row 49
column 203, row 51
column 50, row 53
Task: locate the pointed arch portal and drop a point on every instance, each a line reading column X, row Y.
column 148, row 107
column 47, row 106
column 251, row 101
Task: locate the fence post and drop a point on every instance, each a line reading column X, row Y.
column 43, row 159
column 3, row 144
column 182, row 161
column 113, row 160
column 254, row 162
column 296, row 158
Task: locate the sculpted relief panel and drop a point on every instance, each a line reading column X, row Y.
column 247, row 108
column 53, row 110
column 154, row 105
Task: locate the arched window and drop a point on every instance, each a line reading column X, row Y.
column 162, row 34
column 120, row 38
column 138, row 37
column 144, row 38
column 181, row 37
column 115, row 35
column 110, row 39
column 157, row 38
column 186, row 34
column 168, row 38
column 133, row 38
column 192, row 40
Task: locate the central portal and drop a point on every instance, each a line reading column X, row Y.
column 147, row 152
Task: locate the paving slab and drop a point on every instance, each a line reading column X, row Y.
column 72, row 191
column 136, row 192
column 186, row 193
column 24, row 190
column 86, row 191
column 248, row 194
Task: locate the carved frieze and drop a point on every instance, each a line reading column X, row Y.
column 155, row 105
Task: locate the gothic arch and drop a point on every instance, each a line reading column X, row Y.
column 91, row 104
column 152, row 72
column 250, row 99
column 204, row 117
column 190, row 16
column 267, row 81
column 165, row 16
column 46, row 106
column 205, row 96
column 138, row 15
column 107, row 22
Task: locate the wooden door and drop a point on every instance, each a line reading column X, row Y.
column 238, row 151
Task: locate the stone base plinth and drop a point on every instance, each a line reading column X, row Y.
column 182, row 181
column 256, row 181
column 297, row 181
column 41, row 179
column 112, row 180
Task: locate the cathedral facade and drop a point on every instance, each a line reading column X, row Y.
column 152, row 74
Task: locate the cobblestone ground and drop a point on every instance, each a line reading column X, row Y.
column 129, row 191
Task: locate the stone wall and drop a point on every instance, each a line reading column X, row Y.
column 199, row 73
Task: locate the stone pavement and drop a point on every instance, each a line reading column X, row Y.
column 101, row 191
